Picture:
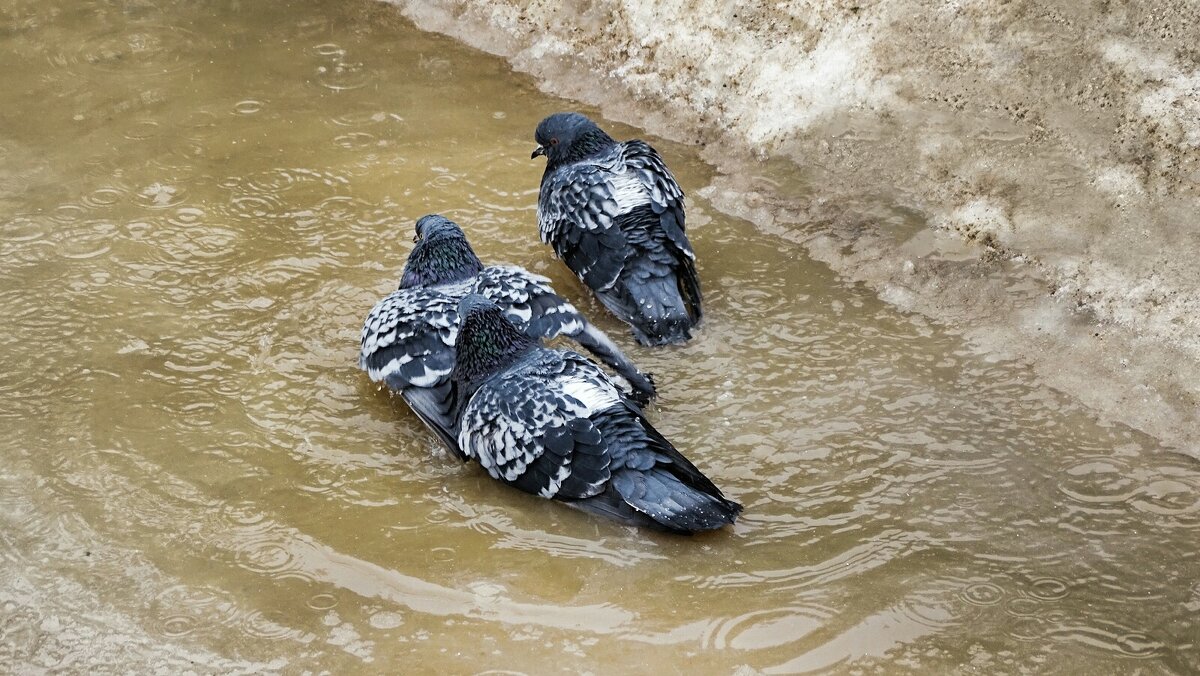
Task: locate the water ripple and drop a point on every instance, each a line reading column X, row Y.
column 148, row 49
column 143, row 130
column 365, row 119
column 1048, row 589
column 355, row 140
column 322, row 601
column 248, row 107
column 106, row 196
column 1127, row 644
column 336, row 72
column 760, row 629
column 68, row 213
column 983, row 594
column 23, row 229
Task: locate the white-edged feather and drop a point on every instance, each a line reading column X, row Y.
column 628, row 191
column 595, row 395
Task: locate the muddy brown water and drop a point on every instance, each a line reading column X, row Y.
column 198, row 204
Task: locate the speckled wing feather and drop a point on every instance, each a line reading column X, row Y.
column 554, row 426
column 408, row 339
column 666, row 201
column 577, row 210
column 529, row 300
column 529, row 427
column 662, row 190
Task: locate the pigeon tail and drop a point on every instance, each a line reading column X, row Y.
column 670, row 503
column 657, row 481
column 668, row 506
column 658, row 313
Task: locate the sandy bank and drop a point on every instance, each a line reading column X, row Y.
column 1027, row 172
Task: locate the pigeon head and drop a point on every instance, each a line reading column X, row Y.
column 487, row 341
column 474, row 304
column 568, row 137
column 442, row 254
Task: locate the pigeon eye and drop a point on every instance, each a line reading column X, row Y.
column 553, row 141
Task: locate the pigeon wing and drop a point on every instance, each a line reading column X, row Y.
column 531, row 301
column 666, row 201
column 530, row 427
column 435, row 407
column 577, row 210
column 663, row 191
column 408, row 339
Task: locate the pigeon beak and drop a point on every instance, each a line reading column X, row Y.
column 541, row 151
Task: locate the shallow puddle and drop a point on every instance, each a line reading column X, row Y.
column 198, row 205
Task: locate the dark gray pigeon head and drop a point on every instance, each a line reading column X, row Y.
column 487, row 341
column 442, row 254
column 434, row 225
column 475, row 304
column 568, row 137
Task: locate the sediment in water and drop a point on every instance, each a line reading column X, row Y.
column 1028, row 173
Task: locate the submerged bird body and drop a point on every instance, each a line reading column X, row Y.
column 408, row 338
column 549, row 422
column 614, row 214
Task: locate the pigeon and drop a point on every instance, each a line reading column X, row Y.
column 408, row 338
column 614, row 214
column 551, row 423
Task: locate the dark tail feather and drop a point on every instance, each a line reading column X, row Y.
column 612, row 505
column 654, row 309
column 689, row 288
column 674, row 505
column 657, row 481
column 433, row 405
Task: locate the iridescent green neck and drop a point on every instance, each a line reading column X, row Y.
column 440, row 260
column 487, row 343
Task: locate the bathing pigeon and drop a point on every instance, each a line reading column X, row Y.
column 614, row 213
column 408, row 338
column 550, row 422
